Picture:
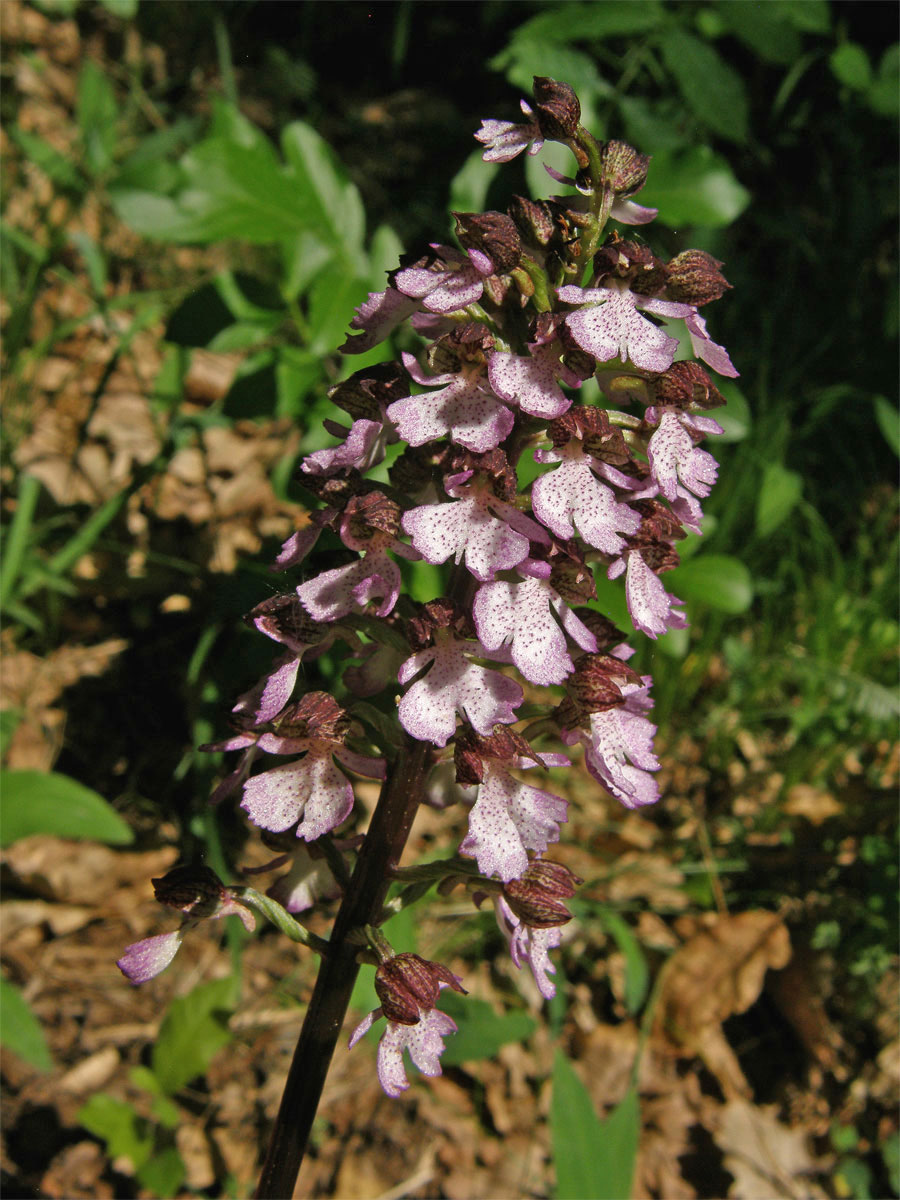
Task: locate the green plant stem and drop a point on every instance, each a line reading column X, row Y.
column 400, row 797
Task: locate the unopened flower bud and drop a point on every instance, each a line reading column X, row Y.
column 684, row 384
column 558, row 109
column 194, row 890
column 534, row 219
column 536, row 897
column 494, row 233
column 624, row 170
column 407, row 984
column 695, row 278
column 368, row 392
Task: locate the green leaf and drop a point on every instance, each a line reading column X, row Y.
column 297, row 371
column 94, row 259
column 637, row 973
column 765, row 28
column 163, row 1173
column 57, row 168
column 778, row 494
column 850, row 65
column 888, row 418
column 97, row 115
column 20, row 1030
column 696, row 187
column 481, row 1031
column 735, row 417
column 45, row 802
column 526, row 57
column 329, row 199
column 469, row 186
column 884, row 94
column 333, row 296
column 711, row 89
column 594, row 1159
column 809, row 16
column 125, row 1133
column 716, row 580
column 125, row 10
column 583, row 22
column 194, row 1029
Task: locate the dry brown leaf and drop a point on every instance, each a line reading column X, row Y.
column 717, row 973
column 766, row 1158
column 816, row 804
column 31, row 684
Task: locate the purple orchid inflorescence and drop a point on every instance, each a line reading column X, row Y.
column 477, row 452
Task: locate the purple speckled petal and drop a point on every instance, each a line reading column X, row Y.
column 571, row 496
column 146, row 959
column 521, row 613
column 619, row 750
column 334, row 594
column 675, row 459
column 650, row 605
column 428, row 710
column 509, row 818
column 363, row 448
column 530, row 381
column 529, row 945
column 312, row 788
column 627, row 212
column 424, row 1042
column 376, row 317
column 465, row 528
column 505, row 139
column 617, row 328
column 464, row 410
column 705, row 348
column 308, row 881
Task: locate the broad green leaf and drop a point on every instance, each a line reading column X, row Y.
column 125, row 1133
column 765, row 28
column 809, row 16
column 611, row 599
column 469, row 186
column 850, row 65
column 655, row 126
column 717, row 580
column 735, row 417
column 333, row 296
column 712, row 89
column 297, row 371
column 10, row 719
column 696, row 187
column 324, row 187
column 582, row 22
column 888, row 418
column 20, row 1029
column 481, row 1031
column 194, row 1029
column 778, row 494
column 163, row 1173
column 637, row 973
column 884, row 94
column 46, row 802
column 594, row 1159
column 97, row 115
column 303, row 258
column 526, row 57
column 384, row 256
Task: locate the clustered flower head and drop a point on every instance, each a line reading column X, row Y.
column 506, row 326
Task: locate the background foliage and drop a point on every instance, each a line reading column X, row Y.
column 196, row 197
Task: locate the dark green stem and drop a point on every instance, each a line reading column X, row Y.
column 380, row 854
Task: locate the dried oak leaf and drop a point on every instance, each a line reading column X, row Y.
column 766, row 1157
column 718, row 972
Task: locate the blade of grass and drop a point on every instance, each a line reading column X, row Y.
column 17, row 539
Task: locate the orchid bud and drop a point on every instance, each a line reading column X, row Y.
column 408, row 984
column 536, row 897
column 695, row 278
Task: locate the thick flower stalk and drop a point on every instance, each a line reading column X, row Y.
column 474, row 450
